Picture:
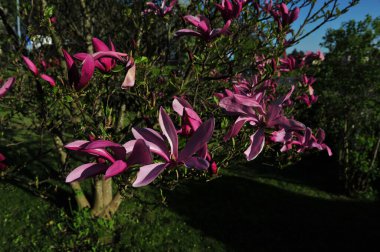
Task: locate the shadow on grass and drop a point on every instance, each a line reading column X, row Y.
column 316, row 170
column 249, row 216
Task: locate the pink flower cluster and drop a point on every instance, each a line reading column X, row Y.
column 114, row 159
column 257, row 103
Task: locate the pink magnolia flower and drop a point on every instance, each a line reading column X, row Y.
column 190, row 119
column 88, row 68
column 204, row 29
column 230, row 9
column 283, row 16
column 160, row 10
column 302, row 141
column 80, row 81
column 254, row 111
column 33, row 68
column 190, row 123
column 104, row 64
column 7, row 86
column 172, row 157
column 116, row 163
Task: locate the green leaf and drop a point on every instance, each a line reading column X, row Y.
column 141, row 59
column 68, row 98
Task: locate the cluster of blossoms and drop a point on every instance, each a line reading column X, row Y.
column 147, row 142
column 255, row 103
column 291, row 63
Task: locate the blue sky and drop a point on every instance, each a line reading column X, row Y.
column 358, row 12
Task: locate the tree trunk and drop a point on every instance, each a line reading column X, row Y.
column 107, row 191
column 110, row 210
column 98, row 199
column 87, row 25
column 80, row 198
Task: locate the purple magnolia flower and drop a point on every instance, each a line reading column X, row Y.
column 190, row 123
column 204, row 29
column 80, row 81
column 190, row 119
column 254, row 111
column 302, row 141
column 104, row 64
column 33, row 68
column 111, row 164
column 283, row 16
column 230, row 9
column 7, row 86
column 172, row 157
column 160, row 10
column 88, row 68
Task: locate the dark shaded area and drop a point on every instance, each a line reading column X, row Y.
column 316, row 170
column 250, row 216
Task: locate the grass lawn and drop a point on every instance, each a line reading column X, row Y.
column 246, row 209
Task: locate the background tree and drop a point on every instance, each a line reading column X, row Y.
column 349, row 106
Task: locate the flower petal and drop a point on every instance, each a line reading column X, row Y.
column 88, row 69
column 257, row 144
column 179, row 104
column 72, row 69
column 148, row 173
column 85, row 171
column 154, row 141
column 194, row 119
column 7, row 86
column 100, row 153
column 99, row 45
column 187, row 32
column 109, row 54
column 48, row 79
column 76, row 145
column 31, row 66
column 197, row 163
column 140, row 154
column 101, row 144
column 230, row 104
column 169, row 131
column 200, row 137
column 116, row 168
column 81, row 56
column 119, row 151
column 288, row 124
column 238, row 124
column 129, row 146
column 130, row 77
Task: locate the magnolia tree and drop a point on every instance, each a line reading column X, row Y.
column 191, row 86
